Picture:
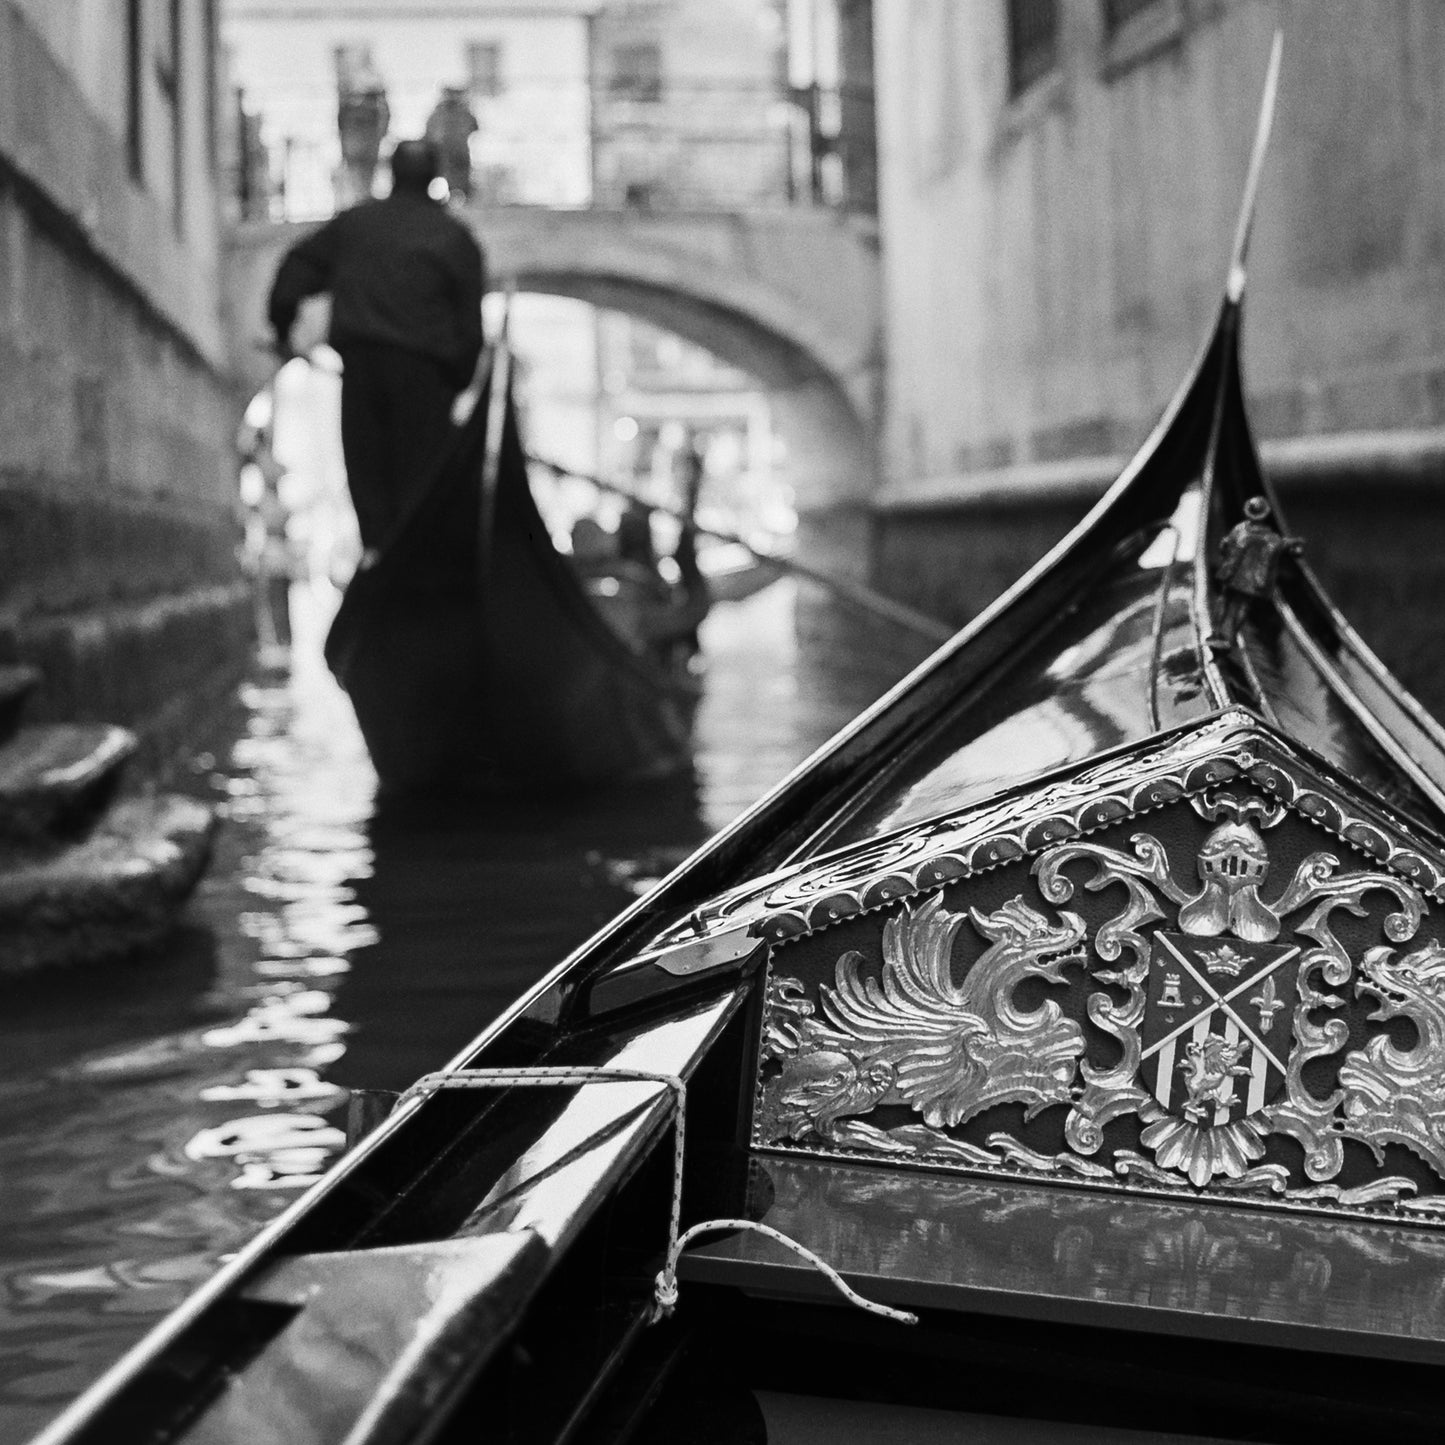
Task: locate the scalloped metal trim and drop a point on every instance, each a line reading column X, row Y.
column 1234, row 747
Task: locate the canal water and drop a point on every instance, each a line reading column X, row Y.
column 154, row 1115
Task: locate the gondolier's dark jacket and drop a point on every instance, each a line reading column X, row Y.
column 401, row 272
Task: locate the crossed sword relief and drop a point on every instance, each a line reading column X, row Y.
column 1234, row 1025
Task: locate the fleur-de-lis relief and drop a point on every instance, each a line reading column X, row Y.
column 1268, row 1002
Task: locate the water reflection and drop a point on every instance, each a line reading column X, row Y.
column 152, row 1117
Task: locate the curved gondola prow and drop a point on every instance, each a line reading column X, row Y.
column 1159, row 483
column 1154, row 535
column 507, row 503
column 574, row 702
column 1227, row 476
column 1379, row 704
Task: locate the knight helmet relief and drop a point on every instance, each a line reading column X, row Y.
column 1225, row 980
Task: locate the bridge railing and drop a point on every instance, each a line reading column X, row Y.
column 719, row 146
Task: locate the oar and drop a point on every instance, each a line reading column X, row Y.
column 856, row 593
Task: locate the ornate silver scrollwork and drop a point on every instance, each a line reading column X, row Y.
column 1232, row 747
column 1213, row 994
column 948, row 1051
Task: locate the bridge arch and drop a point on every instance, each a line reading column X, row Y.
column 791, row 297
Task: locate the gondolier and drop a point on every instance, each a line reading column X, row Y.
column 406, row 280
column 472, row 654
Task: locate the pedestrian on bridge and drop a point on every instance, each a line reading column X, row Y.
column 362, row 120
column 450, row 128
column 406, row 279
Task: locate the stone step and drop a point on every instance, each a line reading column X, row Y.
column 117, row 891
column 55, row 777
column 17, row 682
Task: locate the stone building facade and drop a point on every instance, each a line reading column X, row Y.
column 118, row 576
column 1060, row 181
column 705, row 103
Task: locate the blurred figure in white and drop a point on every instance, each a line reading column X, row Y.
column 269, row 553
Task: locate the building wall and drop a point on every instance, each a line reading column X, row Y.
column 117, row 471
column 1053, row 258
column 713, row 129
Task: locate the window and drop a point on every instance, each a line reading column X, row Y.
column 166, row 46
column 134, row 154
column 1033, row 41
column 212, row 42
column 636, row 72
column 484, row 69
column 168, row 41
column 1137, row 30
column 355, row 68
column 1118, row 13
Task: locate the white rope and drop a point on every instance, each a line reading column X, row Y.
column 665, row 1287
column 553, row 1077
column 665, row 1291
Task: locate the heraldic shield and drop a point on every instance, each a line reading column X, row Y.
column 1225, row 978
column 1216, row 1031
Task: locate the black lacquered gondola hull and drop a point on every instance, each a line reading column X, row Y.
column 475, row 660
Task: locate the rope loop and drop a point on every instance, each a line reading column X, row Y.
column 665, row 1289
column 665, row 1292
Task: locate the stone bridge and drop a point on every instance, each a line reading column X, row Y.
column 789, row 295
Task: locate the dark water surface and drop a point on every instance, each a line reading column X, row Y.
column 154, row 1115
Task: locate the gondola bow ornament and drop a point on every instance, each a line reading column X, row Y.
column 1221, row 1025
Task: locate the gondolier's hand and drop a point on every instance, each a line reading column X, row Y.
column 464, row 405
